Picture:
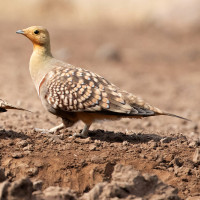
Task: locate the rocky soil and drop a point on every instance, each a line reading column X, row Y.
column 152, row 158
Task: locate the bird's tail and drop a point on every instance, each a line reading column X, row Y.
column 5, row 106
column 173, row 115
column 15, row 108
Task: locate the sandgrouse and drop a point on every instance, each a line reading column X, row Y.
column 74, row 93
column 4, row 106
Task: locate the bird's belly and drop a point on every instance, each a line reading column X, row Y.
column 90, row 117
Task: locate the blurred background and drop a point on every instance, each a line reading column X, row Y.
column 148, row 47
column 165, row 14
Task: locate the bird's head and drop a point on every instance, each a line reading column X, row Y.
column 37, row 34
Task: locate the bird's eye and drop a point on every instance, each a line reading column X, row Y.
column 36, row 31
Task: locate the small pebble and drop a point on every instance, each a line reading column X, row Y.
column 125, row 143
column 17, row 155
column 196, row 156
column 178, row 162
column 192, row 144
column 37, row 185
column 97, row 159
column 33, row 171
column 97, row 142
column 92, row 147
column 166, row 140
column 83, row 141
column 22, row 143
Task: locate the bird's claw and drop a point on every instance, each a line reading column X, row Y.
column 44, row 131
column 79, row 135
column 84, row 132
column 51, row 131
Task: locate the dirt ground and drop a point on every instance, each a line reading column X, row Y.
column 161, row 67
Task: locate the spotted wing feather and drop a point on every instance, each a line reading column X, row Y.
column 75, row 90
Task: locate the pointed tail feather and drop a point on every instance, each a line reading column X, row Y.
column 4, row 106
column 15, row 108
column 172, row 115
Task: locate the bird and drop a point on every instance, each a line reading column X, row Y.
column 76, row 94
column 4, row 106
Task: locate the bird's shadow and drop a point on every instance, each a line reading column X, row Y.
column 4, row 134
column 135, row 138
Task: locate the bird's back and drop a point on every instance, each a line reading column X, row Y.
column 71, row 89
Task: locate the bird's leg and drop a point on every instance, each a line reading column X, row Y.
column 66, row 123
column 49, row 132
column 52, row 130
column 84, row 132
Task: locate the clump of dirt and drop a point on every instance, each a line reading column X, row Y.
column 126, row 183
column 64, row 161
column 25, row 189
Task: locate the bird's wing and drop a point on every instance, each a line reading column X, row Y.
column 75, row 90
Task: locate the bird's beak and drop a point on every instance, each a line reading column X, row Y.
column 20, row 32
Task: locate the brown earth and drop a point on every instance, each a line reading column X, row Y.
column 161, row 67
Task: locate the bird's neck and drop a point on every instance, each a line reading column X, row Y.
column 39, row 64
column 43, row 50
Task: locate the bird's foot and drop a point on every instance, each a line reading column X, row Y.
column 42, row 130
column 79, row 135
column 84, row 132
column 51, row 131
